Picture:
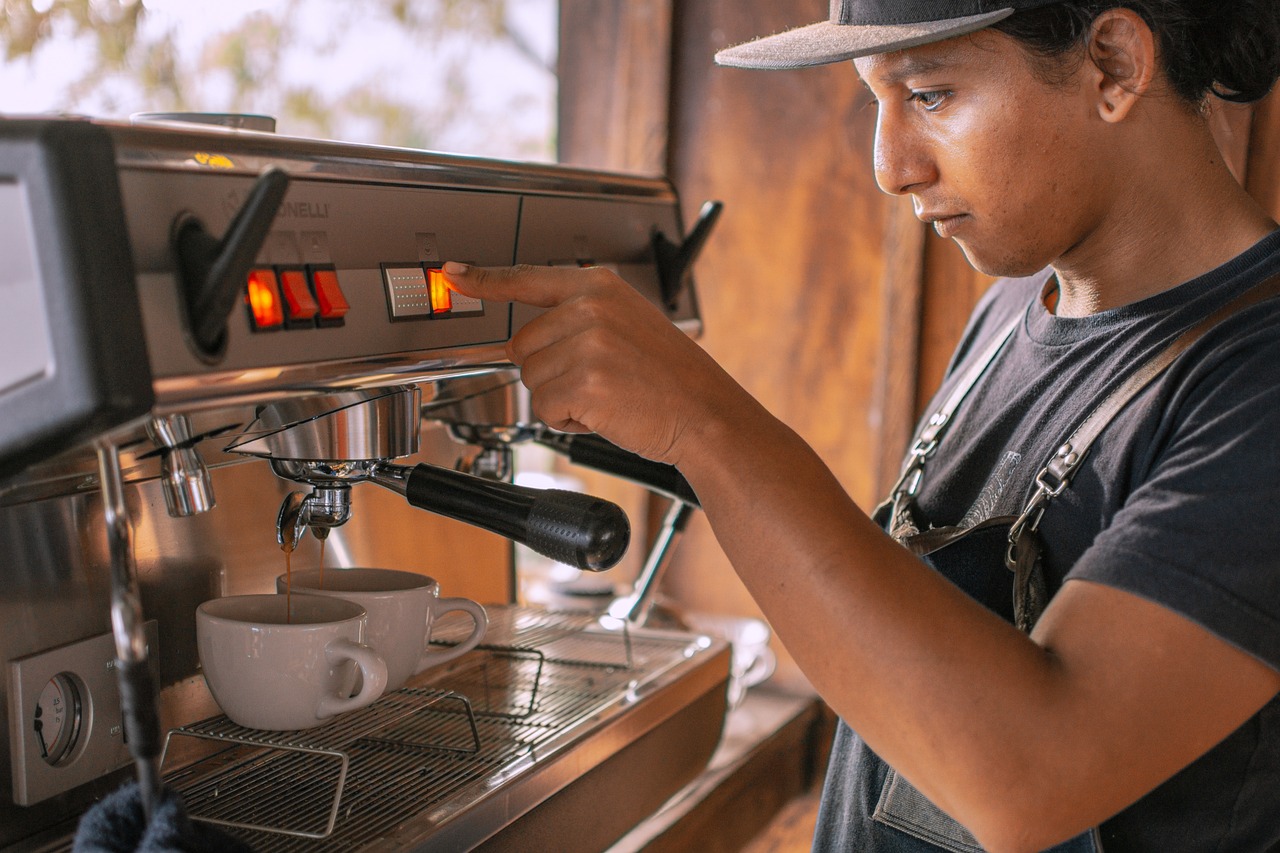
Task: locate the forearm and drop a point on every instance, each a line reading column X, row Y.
column 953, row 697
column 1026, row 740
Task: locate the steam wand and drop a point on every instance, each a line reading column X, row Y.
column 138, row 693
column 635, row 607
column 595, row 452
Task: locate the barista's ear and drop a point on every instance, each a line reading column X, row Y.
column 1123, row 50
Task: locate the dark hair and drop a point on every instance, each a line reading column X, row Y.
column 1227, row 48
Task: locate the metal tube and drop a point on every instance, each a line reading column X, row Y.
column 138, row 688
column 635, row 608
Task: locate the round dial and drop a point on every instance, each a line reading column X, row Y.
column 57, row 718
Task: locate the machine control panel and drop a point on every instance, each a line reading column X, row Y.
column 416, row 291
column 340, row 277
column 352, row 271
column 154, row 299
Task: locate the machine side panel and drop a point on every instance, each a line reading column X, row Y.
column 75, row 365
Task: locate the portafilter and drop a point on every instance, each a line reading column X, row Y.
column 333, row 441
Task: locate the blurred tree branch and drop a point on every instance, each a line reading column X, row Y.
column 239, row 69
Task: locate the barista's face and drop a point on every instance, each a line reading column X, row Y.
column 1009, row 166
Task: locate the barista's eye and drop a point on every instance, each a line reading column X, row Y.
column 930, row 100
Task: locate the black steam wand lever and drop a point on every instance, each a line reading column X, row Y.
column 214, row 269
column 587, row 532
column 674, row 259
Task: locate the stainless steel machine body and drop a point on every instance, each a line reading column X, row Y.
column 110, row 355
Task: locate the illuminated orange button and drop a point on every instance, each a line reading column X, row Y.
column 333, row 303
column 264, row 300
column 441, row 293
column 299, row 304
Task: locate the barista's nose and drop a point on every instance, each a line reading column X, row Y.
column 902, row 161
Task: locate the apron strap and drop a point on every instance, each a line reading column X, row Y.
column 1057, row 474
column 926, row 443
column 1022, row 556
column 924, row 543
column 1024, row 548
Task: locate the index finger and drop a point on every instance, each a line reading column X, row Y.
column 543, row 287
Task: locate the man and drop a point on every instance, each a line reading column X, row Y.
column 1143, row 697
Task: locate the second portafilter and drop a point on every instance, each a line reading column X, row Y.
column 493, row 412
column 333, row 441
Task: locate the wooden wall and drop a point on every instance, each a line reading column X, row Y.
column 825, row 298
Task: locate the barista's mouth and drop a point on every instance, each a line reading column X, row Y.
column 947, row 225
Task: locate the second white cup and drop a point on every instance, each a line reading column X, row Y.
column 402, row 607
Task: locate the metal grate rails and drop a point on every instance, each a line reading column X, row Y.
column 255, row 779
column 414, row 749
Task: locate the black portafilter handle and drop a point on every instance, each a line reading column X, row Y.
column 592, row 451
column 587, row 532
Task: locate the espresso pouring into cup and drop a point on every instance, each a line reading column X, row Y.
column 402, row 607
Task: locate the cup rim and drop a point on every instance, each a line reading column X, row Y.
column 307, row 581
column 221, row 610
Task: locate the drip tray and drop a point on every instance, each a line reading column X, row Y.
column 555, row 734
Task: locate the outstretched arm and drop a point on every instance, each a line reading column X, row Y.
column 1025, row 740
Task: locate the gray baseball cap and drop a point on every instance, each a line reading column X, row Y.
column 864, row 27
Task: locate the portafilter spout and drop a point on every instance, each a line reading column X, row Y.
column 333, row 441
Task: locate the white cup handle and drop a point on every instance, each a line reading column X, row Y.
column 373, row 672
column 439, row 607
column 760, row 668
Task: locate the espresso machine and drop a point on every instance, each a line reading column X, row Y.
column 222, row 344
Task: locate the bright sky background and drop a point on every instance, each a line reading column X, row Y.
column 513, row 99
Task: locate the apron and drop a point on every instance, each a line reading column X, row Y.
column 966, row 555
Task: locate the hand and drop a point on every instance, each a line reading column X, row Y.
column 604, row 359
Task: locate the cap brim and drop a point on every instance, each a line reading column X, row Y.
column 821, row 43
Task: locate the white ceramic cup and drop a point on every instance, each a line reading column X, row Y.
column 753, row 661
column 281, row 669
column 402, row 607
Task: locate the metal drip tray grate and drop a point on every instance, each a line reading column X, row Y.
column 430, row 753
column 293, row 782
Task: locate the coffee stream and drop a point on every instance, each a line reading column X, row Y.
column 287, row 547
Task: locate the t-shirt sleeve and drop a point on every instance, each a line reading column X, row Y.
column 1200, row 533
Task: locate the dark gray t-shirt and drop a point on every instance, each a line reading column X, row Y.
column 1174, row 503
